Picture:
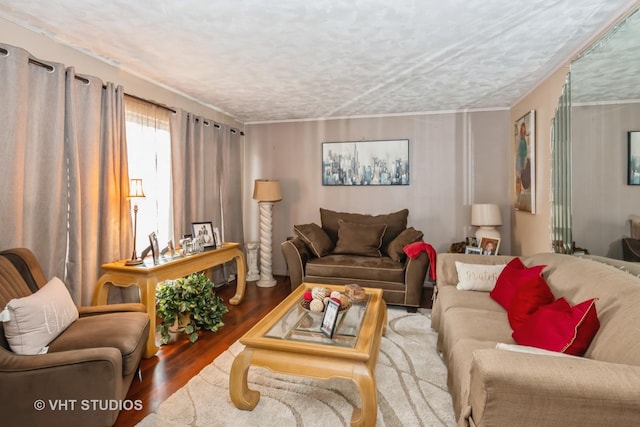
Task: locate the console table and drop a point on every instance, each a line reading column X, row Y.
column 146, row 276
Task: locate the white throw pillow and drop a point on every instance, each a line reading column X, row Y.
column 34, row 321
column 477, row 277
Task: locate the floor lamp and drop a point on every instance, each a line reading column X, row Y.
column 266, row 192
column 135, row 193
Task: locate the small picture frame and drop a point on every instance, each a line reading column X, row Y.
column 330, row 317
column 472, row 241
column 155, row 248
column 490, row 245
column 473, row 250
column 203, row 231
column 216, row 236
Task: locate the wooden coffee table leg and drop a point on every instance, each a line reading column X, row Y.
column 365, row 415
column 241, row 395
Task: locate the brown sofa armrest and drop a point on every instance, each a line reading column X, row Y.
column 110, row 308
column 296, row 254
column 509, row 388
column 77, row 375
column 415, row 271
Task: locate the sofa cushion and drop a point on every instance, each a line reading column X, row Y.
column 514, row 275
column 469, row 323
column 350, row 267
column 126, row 331
column 395, row 222
column 315, row 238
column 477, row 277
column 359, row 239
column 407, row 236
column 560, row 327
column 527, row 299
column 36, row 320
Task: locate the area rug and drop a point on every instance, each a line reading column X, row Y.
column 410, row 377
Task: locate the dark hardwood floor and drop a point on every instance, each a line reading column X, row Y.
column 177, row 362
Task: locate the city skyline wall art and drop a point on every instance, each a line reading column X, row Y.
column 365, row 163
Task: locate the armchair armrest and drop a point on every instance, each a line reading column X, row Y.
column 296, row 254
column 93, row 310
column 66, row 376
column 509, row 388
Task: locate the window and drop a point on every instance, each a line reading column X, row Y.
column 149, row 157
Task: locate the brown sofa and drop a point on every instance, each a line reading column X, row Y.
column 362, row 249
column 88, row 368
column 496, row 387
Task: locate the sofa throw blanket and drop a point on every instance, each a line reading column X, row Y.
column 414, row 249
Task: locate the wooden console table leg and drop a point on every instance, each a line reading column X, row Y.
column 101, row 293
column 148, row 298
column 241, row 266
column 239, row 391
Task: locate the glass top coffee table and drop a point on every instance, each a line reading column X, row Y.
column 289, row 340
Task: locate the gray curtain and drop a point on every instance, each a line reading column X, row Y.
column 100, row 228
column 64, row 164
column 32, row 158
column 206, row 179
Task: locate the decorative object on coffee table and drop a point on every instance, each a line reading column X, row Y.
column 192, row 303
column 266, row 192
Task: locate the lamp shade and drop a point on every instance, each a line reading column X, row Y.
column 266, row 190
column 484, row 214
column 135, row 189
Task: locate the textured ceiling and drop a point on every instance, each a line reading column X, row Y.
column 294, row 59
column 610, row 70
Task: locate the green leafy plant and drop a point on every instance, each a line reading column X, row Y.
column 192, row 303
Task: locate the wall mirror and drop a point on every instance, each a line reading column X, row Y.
column 599, row 106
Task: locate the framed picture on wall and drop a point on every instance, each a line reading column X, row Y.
column 365, row 163
column 525, row 162
column 633, row 161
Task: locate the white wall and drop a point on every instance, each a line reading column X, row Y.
column 455, row 159
column 601, row 199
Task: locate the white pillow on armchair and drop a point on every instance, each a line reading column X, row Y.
column 31, row 323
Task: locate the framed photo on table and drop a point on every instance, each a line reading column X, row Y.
column 216, row 237
column 473, row 250
column 489, row 245
column 155, row 248
column 330, row 317
column 203, row 231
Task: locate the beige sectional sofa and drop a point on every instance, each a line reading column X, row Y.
column 497, row 387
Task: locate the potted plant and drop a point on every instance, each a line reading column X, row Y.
column 191, row 303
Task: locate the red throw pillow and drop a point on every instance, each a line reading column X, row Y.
column 527, row 299
column 513, row 276
column 560, row 327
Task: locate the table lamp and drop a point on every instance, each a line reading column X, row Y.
column 487, row 217
column 266, row 192
column 135, row 193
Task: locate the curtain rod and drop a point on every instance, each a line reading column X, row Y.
column 86, row 81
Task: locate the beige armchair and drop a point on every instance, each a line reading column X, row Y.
column 88, row 368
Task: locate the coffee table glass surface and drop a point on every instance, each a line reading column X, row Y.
column 300, row 324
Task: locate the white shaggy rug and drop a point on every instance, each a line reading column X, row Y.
column 410, row 377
